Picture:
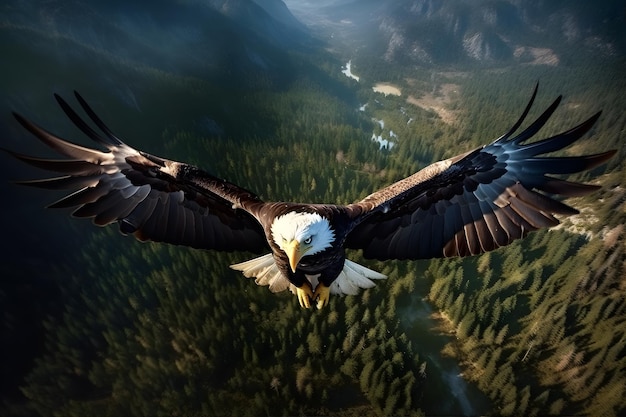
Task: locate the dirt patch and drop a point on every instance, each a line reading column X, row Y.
column 439, row 102
column 385, row 88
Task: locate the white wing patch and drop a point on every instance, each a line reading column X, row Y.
column 265, row 271
column 352, row 278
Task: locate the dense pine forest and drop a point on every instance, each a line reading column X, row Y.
column 539, row 328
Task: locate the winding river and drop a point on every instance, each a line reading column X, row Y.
column 445, row 391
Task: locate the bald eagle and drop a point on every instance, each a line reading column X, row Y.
column 466, row 205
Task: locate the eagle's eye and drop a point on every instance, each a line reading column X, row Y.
column 308, row 240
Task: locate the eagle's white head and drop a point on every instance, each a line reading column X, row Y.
column 302, row 234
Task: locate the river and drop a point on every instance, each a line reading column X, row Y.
column 445, row 391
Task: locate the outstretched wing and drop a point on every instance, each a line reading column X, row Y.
column 475, row 202
column 153, row 198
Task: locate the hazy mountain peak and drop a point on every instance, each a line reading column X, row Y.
column 484, row 31
column 214, row 39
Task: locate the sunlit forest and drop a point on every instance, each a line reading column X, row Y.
column 120, row 327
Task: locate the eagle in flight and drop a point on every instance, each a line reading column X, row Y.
column 466, row 205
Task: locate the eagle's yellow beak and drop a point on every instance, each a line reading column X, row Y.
column 294, row 252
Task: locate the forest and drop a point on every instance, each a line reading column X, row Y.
column 539, row 327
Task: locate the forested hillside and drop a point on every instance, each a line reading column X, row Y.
column 149, row 329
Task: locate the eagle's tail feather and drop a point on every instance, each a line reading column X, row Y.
column 352, row 278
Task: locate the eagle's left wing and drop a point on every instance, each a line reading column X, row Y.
column 150, row 197
column 477, row 201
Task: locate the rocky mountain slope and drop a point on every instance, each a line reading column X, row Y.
column 476, row 31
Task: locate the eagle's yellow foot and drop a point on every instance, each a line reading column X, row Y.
column 322, row 293
column 305, row 295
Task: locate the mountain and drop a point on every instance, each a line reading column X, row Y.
column 219, row 40
column 278, row 10
column 269, row 19
column 476, row 31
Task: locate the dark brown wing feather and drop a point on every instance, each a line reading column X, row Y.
column 153, row 198
column 475, row 202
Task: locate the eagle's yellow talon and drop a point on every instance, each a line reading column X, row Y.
column 322, row 293
column 305, row 295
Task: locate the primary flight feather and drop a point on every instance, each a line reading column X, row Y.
column 466, row 205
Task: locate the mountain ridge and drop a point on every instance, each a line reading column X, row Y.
column 487, row 32
column 217, row 37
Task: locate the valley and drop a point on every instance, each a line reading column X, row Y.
column 352, row 100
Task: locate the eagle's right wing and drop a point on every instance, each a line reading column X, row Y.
column 477, row 201
column 150, row 197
